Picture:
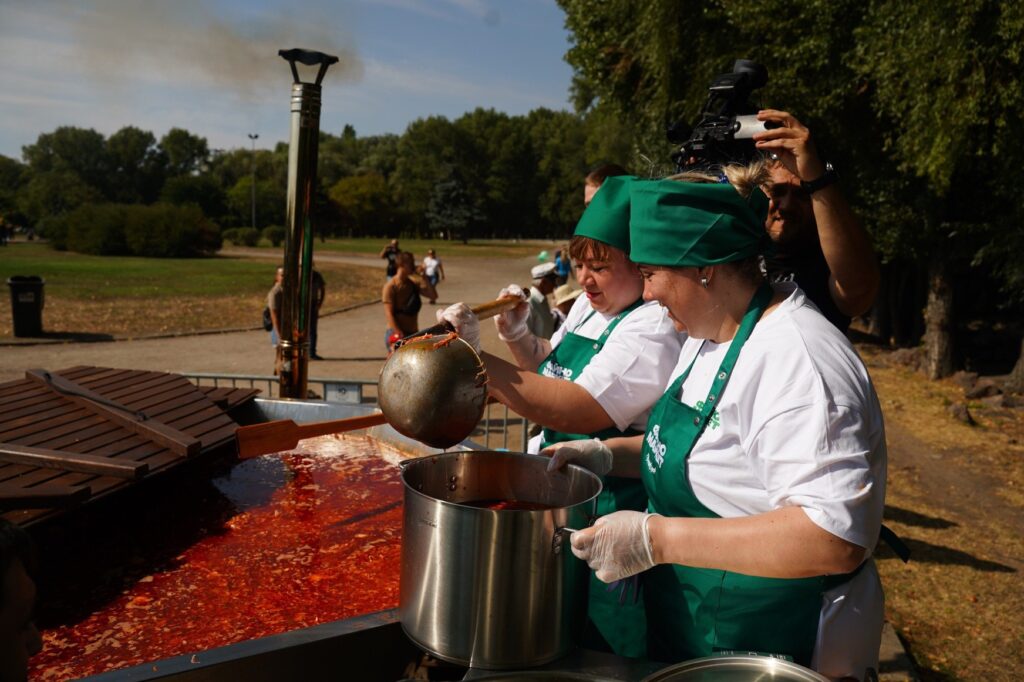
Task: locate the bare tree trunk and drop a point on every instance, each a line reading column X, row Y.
column 938, row 316
column 1015, row 381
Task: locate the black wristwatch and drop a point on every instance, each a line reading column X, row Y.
column 827, row 178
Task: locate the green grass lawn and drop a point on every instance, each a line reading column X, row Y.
column 79, row 276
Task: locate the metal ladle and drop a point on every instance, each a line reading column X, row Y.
column 433, row 387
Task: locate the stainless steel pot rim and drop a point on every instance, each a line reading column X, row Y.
column 766, row 667
column 525, row 455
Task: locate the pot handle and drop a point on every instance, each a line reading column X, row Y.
column 558, row 537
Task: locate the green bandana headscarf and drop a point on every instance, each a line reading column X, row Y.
column 607, row 217
column 689, row 224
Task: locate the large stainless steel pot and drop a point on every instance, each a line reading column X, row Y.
column 486, row 588
column 738, row 668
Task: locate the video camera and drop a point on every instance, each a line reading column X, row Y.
column 729, row 120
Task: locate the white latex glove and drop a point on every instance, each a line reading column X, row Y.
column 465, row 322
column 511, row 324
column 617, row 546
column 590, row 454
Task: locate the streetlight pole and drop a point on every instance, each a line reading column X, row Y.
column 253, row 137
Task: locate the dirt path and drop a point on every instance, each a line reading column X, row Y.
column 352, row 341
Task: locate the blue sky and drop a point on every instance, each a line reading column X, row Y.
column 211, row 66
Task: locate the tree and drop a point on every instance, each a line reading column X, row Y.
column 270, row 202
column 365, row 204
column 54, row 193
column 919, row 105
column 136, row 166
column 964, row 153
column 424, row 150
column 13, row 176
column 202, row 190
column 186, row 153
column 68, row 152
column 452, row 212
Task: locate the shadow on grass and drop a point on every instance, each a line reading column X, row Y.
column 912, row 518
column 926, row 552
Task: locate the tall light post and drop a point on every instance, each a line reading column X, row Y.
column 253, row 137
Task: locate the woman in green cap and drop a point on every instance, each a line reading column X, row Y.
column 596, row 378
column 764, row 461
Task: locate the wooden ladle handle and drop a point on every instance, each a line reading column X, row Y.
column 482, row 311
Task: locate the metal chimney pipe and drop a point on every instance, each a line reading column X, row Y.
column 298, row 242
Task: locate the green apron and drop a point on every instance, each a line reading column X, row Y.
column 611, row 626
column 694, row 612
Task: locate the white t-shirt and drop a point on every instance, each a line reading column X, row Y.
column 799, row 424
column 430, row 266
column 631, row 372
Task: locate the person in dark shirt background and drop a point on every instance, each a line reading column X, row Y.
column 820, row 243
column 390, row 252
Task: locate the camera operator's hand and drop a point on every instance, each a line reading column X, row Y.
column 791, row 143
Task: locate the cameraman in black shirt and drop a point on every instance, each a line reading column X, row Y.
column 820, row 243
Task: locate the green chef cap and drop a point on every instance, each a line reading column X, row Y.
column 690, row 224
column 607, row 217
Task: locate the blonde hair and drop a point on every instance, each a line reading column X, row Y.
column 744, row 179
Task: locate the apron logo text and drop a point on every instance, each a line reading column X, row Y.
column 655, row 447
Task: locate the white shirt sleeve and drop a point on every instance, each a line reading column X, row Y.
column 816, row 456
column 631, row 372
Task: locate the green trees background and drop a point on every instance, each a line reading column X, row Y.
column 917, row 104
column 515, row 176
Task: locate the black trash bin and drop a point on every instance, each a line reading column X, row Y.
column 27, row 304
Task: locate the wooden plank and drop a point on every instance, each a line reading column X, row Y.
column 228, row 397
column 42, row 497
column 175, row 397
column 43, row 429
column 79, row 371
column 30, row 407
column 13, row 388
column 46, row 412
column 140, row 394
column 102, row 377
column 179, row 418
column 161, row 433
column 44, row 437
column 219, row 436
column 148, row 385
column 69, row 461
column 91, row 440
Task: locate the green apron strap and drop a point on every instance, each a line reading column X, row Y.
column 754, row 311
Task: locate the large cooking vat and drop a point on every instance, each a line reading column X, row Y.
column 493, row 588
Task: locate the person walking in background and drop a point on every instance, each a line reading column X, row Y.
column 390, row 252
column 433, row 269
column 402, row 300
column 275, row 297
column 562, row 265
column 541, row 322
column 319, row 293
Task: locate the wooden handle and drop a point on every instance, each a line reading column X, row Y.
column 482, row 311
column 263, row 439
column 497, row 306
